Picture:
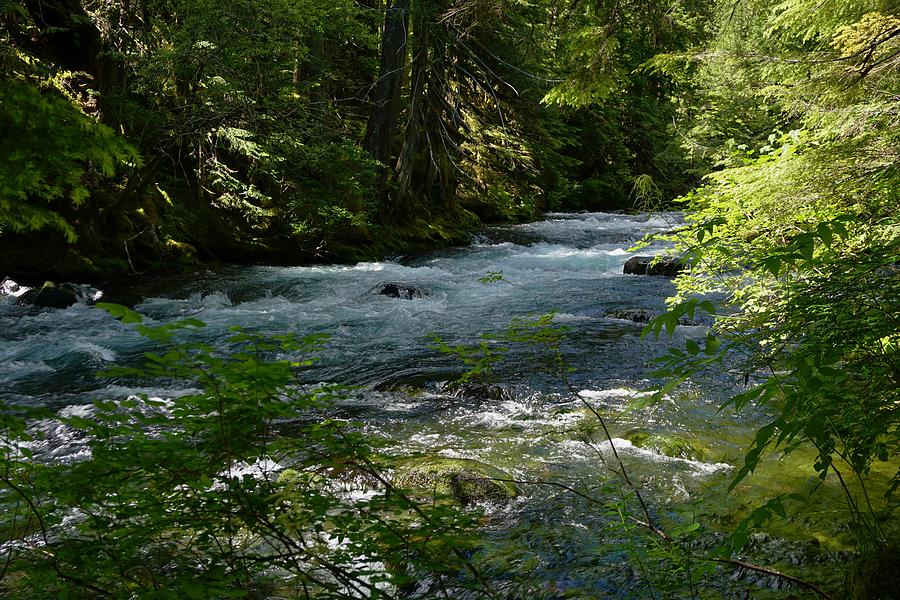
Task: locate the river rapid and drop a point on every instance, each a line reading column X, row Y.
column 681, row 452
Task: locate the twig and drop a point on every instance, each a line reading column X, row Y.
column 767, row 571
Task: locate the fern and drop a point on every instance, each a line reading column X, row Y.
column 51, row 146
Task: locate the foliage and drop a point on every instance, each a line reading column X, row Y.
column 256, row 120
column 624, row 113
column 801, row 234
column 242, row 486
column 50, row 148
column 269, row 154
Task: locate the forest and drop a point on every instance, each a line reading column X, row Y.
column 326, row 131
column 351, row 319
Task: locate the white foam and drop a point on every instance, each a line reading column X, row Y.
column 8, row 287
column 612, row 393
column 95, row 350
column 570, row 318
column 259, row 469
column 521, row 415
column 77, row 410
column 624, row 446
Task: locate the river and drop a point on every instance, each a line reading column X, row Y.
column 527, row 424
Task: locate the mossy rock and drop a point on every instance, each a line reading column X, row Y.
column 466, row 481
column 178, row 249
column 294, row 480
column 669, row 445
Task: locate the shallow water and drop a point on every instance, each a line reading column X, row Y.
column 570, row 264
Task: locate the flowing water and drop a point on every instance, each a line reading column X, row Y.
column 528, row 424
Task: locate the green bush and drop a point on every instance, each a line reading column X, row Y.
column 49, row 148
column 188, row 498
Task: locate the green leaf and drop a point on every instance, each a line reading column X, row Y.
column 685, row 530
column 707, row 306
column 839, row 228
column 712, row 344
column 806, row 249
column 123, row 313
column 772, row 264
column 825, row 233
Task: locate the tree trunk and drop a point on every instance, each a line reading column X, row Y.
column 416, row 120
column 386, row 97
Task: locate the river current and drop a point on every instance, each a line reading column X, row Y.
column 528, row 423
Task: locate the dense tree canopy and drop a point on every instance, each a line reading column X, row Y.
column 298, row 129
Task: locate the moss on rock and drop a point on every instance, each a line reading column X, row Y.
column 465, row 480
column 669, row 445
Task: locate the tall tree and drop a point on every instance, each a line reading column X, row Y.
column 385, row 96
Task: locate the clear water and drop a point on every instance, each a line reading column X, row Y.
column 570, row 264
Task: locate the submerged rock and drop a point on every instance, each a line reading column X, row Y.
column 465, row 480
column 399, row 290
column 644, row 315
column 336, row 478
column 478, row 391
column 665, row 266
column 668, row 445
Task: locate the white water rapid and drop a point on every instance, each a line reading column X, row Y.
column 527, row 424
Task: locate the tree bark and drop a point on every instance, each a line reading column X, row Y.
column 386, row 97
column 416, row 120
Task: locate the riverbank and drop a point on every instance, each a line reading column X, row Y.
column 148, row 259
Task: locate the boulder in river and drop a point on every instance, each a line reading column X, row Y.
column 666, row 266
column 671, row 445
column 638, row 315
column 404, row 291
column 465, row 480
column 644, row 316
column 63, row 295
column 50, row 295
